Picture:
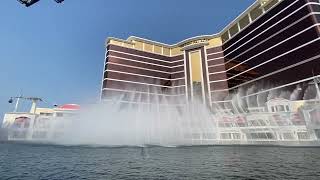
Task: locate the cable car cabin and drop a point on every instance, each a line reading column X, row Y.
column 28, row 3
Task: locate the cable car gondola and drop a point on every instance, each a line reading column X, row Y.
column 28, row 3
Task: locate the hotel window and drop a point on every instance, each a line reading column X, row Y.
column 303, row 135
column 166, row 51
column 59, row 114
column 225, row 135
column 236, row 136
column 256, row 12
column 317, row 132
column 138, row 45
column 148, row 47
column 280, row 108
column 244, row 22
column 225, row 37
column 196, row 135
column 208, row 136
column 270, row 4
column 287, row 108
column 157, row 49
column 46, row 114
column 127, row 45
column 288, row 136
column 234, row 30
column 317, row 17
column 270, row 135
column 106, row 66
column 315, row 8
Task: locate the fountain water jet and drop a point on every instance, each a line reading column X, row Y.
column 150, row 117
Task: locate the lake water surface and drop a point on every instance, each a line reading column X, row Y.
column 31, row 161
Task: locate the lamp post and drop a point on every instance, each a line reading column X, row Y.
column 17, row 102
column 34, row 100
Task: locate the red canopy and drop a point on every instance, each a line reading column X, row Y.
column 70, row 107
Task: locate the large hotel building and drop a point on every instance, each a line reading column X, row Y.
column 273, row 44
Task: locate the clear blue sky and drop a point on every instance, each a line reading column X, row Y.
column 56, row 51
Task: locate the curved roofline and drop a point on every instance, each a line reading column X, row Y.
column 132, row 38
column 219, row 34
column 135, row 38
column 252, row 6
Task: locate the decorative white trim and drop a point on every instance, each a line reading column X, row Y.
column 185, row 74
column 145, row 57
column 105, row 63
column 177, row 72
column 131, row 38
column 263, row 10
column 142, row 103
column 282, row 30
column 134, row 82
column 282, row 86
column 141, row 75
column 171, row 67
column 140, row 92
column 292, row 50
column 202, row 79
column 250, row 18
column 227, row 27
column 266, row 50
column 239, row 28
column 275, row 88
column 270, row 20
column 220, row 90
column 221, row 101
column 280, row 70
column 177, row 66
column 208, row 77
column 147, row 69
column 229, row 34
column 275, row 72
column 190, row 70
column 214, row 59
column 221, row 80
column 134, row 48
column 219, row 72
column 219, row 52
column 216, row 65
column 310, row 42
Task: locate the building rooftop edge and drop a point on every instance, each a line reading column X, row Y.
column 135, row 38
column 216, row 35
column 252, row 6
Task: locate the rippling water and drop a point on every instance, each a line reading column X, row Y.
column 29, row 161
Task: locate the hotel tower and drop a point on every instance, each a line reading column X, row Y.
column 273, row 43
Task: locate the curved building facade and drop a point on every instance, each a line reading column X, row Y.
column 273, row 44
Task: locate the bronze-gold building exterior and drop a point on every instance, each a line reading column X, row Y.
column 273, row 42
